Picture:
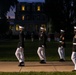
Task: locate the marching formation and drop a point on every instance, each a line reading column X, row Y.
column 42, row 46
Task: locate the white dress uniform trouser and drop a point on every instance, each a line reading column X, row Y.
column 41, row 53
column 61, row 52
column 73, row 58
column 20, row 54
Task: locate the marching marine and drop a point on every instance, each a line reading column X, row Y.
column 42, row 44
column 20, row 48
column 73, row 56
column 61, row 47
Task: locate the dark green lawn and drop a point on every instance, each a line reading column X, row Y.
column 39, row 73
column 8, row 47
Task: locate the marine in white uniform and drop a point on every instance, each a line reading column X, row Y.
column 42, row 45
column 61, row 47
column 20, row 48
column 73, row 56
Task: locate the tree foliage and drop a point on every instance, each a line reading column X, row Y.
column 62, row 13
column 4, row 7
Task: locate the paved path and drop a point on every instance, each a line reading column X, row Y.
column 52, row 66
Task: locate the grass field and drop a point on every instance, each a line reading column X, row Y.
column 40, row 73
column 8, row 47
column 7, row 53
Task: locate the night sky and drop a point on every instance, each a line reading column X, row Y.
column 32, row 0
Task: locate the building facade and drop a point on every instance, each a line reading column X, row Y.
column 30, row 15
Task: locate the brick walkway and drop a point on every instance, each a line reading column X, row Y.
column 52, row 66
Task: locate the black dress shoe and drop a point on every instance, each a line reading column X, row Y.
column 21, row 64
column 61, row 60
column 42, row 62
column 73, row 70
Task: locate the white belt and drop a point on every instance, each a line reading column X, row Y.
column 60, row 41
column 74, row 43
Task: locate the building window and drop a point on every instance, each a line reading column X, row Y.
column 23, row 17
column 17, row 27
column 38, row 8
column 38, row 17
column 23, row 8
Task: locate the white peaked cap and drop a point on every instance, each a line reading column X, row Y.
column 62, row 30
column 41, row 28
column 21, row 27
column 74, row 27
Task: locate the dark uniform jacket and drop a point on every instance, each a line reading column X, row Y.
column 74, row 43
column 21, row 39
column 42, row 41
column 62, row 40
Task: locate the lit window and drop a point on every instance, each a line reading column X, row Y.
column 38, row 8
column 23, row 8
column 17, row 27
column 23, row 17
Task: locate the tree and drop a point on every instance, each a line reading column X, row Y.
column 62, row 13
column 53, row 9
column 4, row 7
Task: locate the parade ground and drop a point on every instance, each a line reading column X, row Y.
column 9, row 63
column 52, row 66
